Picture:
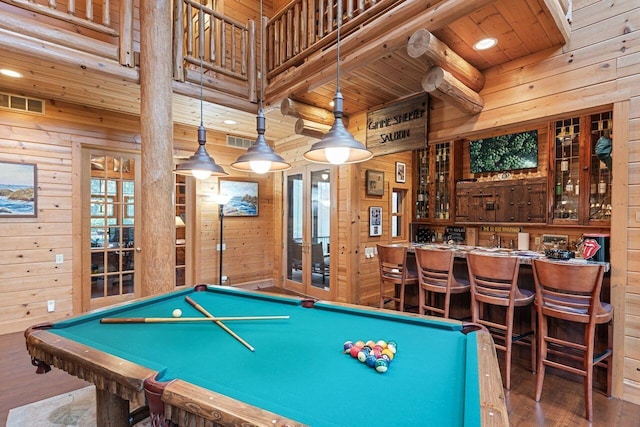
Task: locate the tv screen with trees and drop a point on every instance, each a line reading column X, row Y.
column 504, row 152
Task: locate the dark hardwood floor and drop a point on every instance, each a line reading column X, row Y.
column 562, row 401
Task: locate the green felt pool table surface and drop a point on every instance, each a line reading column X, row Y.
column 298, row 369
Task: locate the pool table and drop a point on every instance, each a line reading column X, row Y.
column 445, row 373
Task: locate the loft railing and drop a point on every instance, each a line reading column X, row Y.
column 224, row 46
column 89, row 14
column 304, row 27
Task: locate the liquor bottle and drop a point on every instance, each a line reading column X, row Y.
column 569, row 186
column 576, row 188
column 559, row 188
column 602, row 187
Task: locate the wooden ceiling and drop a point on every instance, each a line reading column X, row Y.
column 387, row 73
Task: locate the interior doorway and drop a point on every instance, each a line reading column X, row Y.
column 309, row 203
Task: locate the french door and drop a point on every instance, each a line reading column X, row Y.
column 109, row 251
column 309, row 203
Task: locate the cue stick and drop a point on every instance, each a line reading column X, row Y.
column 219, row 323
column 183, row 319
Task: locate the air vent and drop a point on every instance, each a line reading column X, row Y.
column 21, row 103
column 236, row 141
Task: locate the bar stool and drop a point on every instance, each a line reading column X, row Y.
column 571, row 292
column 435, row 276
column 494, row 281
column 394, row 271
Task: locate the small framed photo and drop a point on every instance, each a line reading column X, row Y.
column 375, row 183
column 375, row 221
column 401, row 172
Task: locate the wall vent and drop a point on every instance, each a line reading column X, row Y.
column 236, row 141
column 21, row 103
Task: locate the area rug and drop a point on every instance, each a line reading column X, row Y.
column 76, row 408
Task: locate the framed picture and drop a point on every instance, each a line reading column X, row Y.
column 375, row 221
column 18, row 190
column 401, row 172
column 375, row 183
column 243, row 197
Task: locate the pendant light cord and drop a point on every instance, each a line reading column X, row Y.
column 261, row 57
column 338, row 45
column 201, row 93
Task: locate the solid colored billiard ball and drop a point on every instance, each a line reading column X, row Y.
column 354, row 351
column 359, row 344
column 371, row 361
column 370, row 343
column 382, row 366
column 177, row 312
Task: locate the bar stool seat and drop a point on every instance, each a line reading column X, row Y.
column 435, row 276
column 494, row 281
column 395, row 274
column 571, row 293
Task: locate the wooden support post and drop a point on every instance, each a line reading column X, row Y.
column 155, row 234
column 289, row 107
column 311, row 129
column 422, row 42
column 443, row 85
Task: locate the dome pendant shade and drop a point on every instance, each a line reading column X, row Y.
column 260, row 157
column 200, row 164
column 338, row 146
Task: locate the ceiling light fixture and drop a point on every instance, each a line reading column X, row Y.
column 230, row 122
column 338, row 146
column 200, row 165
column 260, row 157
column 486, row 43
column 10, row 73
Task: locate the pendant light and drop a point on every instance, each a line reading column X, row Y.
column 260, row 157
column 200, row 165
column 338, row 146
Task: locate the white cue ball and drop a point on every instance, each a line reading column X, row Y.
column 177, row 312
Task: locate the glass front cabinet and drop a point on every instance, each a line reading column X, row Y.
column 435, row 182
column 581, row 169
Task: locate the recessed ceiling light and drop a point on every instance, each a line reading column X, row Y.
column 486, row 43
column 10, row 73
column 230, row 122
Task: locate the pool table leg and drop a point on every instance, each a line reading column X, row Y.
column 111, row 410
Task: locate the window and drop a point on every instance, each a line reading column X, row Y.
column 397, row 212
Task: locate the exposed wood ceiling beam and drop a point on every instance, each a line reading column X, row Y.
column 310, row 113
column 311, row 129
column 558, row 15
column 369, row 44
column 423, row 44
column 443, row 85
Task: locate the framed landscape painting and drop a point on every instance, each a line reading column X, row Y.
column 18, row 190
column 243, row 197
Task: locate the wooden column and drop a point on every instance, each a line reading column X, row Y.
column 156, row 234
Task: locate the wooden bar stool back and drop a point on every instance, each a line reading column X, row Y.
column 494, row 281
column 572, row 293
column 435, row 276
column 394, row 275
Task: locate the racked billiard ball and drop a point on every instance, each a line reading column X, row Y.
column 382, row 365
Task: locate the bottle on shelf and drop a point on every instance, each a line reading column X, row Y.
column 569, row 187
column 559, row 188
column 576, row 188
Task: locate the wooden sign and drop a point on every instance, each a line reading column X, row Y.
column 398, row 127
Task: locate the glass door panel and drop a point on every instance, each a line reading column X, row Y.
column 308, row 229
column 112, row 195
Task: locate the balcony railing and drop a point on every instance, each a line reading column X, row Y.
column 220, row 44
column 304, row 27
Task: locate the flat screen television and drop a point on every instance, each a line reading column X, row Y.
column 504, row 152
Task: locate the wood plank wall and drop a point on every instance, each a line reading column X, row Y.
column 29, row 275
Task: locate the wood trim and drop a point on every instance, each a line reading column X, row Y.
column 619, row 244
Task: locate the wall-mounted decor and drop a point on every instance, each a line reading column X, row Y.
column 18, row 190
column 504, row 152
column 401, row 172
column 243, row 197
column 375, row 221
column 375, row 183
column 400, row 126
